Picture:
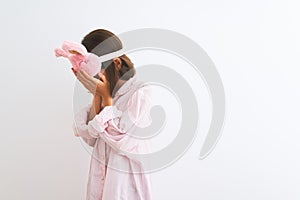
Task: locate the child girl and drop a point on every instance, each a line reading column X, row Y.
column 105, row 126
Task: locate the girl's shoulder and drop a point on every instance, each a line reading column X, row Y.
column 142, row 87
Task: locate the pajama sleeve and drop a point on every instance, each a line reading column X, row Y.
column 80, row 125
column 113, row 125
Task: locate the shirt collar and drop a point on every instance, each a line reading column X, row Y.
column 126, row 86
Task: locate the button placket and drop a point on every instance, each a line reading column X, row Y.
column 103, row 159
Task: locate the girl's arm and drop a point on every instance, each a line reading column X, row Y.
column 96, row 107
column 112, row 125
column 85, row 115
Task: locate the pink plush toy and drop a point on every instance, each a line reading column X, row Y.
column 80, row 58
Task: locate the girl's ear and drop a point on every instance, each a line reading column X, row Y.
column 118, row 63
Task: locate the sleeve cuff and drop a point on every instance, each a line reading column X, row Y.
column 80, row 121
column 100, row 121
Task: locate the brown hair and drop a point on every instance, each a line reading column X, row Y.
column 101, row 42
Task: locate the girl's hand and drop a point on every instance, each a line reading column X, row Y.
column 89, row 82
column 95, row 86
column 103, row 89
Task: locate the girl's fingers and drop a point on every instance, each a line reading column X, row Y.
column 81, row 78
column 102, row 77
column 85, row 74
column 79, row 75
column 88, row 81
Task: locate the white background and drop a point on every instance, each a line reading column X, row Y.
column 255, row 47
